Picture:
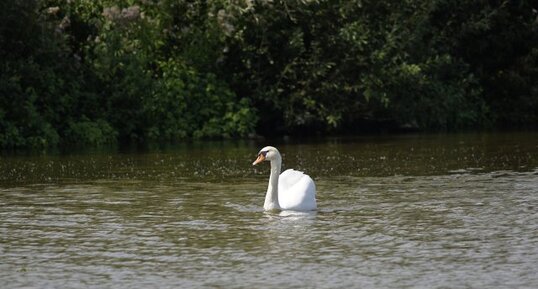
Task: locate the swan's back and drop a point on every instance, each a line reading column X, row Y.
column 296, row 191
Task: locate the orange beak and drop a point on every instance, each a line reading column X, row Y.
column 260, row 159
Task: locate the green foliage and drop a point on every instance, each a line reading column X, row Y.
column 436, row 95
column 34, row 77
column 186, row 103
column 328, row 64
column 97, row 72
column 498, row 42
column 85, row 131
column 107, row 71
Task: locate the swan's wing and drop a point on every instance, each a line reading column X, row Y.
column 296, row 191
column 289, row 178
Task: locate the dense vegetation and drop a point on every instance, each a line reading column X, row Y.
column 103, row 71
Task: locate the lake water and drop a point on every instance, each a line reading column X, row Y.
column 413, row 211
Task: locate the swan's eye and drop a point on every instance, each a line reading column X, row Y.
column 264, row 154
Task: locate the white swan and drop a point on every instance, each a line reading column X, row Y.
column 291, row 190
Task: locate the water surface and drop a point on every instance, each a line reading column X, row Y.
column 414, row 211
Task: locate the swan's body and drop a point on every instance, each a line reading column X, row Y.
column 292, row 190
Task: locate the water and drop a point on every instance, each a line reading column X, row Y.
column 430, row 211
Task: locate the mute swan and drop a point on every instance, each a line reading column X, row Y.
column 291, row 190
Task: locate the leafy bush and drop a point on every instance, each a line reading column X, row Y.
column 90, row 132
column 105, row 71
column 186, row 103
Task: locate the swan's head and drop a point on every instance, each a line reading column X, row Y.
column 268, row 153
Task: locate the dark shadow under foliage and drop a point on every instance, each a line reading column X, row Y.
column 104, row 71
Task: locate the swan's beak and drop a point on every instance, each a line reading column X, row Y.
column 260, row 159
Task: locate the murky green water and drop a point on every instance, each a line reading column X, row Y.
column 436, row 211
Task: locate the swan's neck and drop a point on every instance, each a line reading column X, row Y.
column 271, row 198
